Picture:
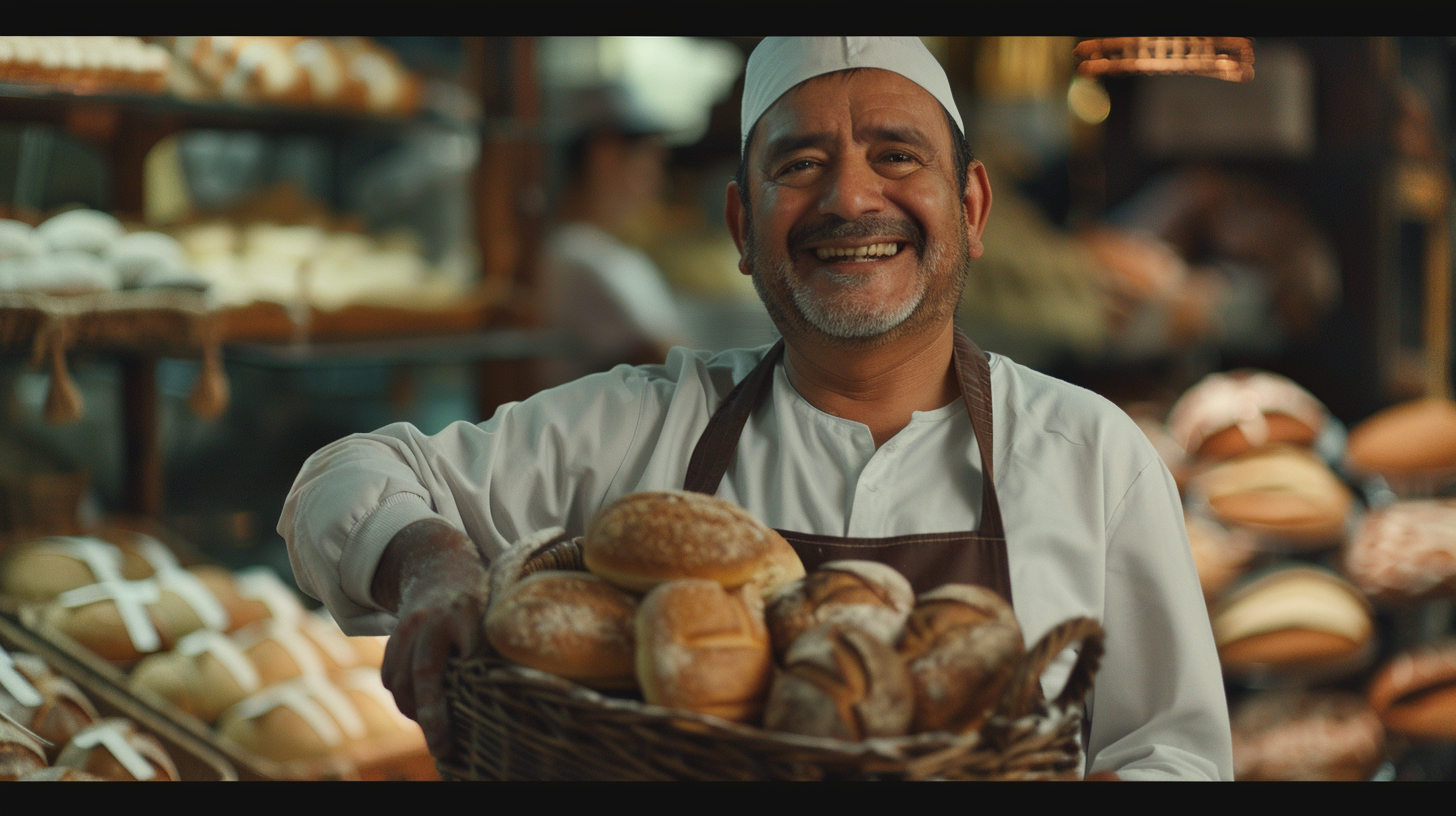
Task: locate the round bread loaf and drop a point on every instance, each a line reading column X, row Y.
column 1405, row 551
column 38, row 571
column 1287, row 736
column 205, row 675
column 1292, row 619
column 870, row 595
column 115, row 749
column 572, row 624
column 1227, row 414
column 1406, row 440
column 81, row 230
column 1279, row 491
column 842, row 682
column 300, row 719
column 703, row 648
column 1415, row 693
column 250, row 595
column 962, row 644
column 644, row 539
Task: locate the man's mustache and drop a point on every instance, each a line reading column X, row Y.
column 833, row 228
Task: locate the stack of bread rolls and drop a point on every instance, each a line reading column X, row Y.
column 50, row 731
column 698, row 606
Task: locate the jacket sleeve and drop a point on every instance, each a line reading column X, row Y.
column 1158, row 709
column 547, row 461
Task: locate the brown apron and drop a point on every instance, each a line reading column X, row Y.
column 927, row 560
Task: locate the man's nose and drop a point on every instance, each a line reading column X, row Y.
column 853, row 189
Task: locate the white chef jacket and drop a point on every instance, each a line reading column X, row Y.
column 1093, row 520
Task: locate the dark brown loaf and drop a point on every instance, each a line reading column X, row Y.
column 644, row 539
column 962, row 644
column 572, row 624
column 702, row 648
column 842, row 682
column 867, row 594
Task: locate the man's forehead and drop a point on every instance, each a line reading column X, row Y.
column 879, row 104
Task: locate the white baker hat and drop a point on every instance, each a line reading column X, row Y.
column 780, row 63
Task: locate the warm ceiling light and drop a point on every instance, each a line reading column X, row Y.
column 1230, row 58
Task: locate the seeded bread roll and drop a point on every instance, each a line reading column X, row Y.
column 703, row 648
column 644, row 539
column 868, row 594
column 115, row 749
column 572, row 624
column 843, row 682
column 1415, row 693
column 962, row 644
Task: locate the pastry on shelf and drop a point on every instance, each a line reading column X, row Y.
column 1405, row 551
column 1415, row 692
column 1322, row 735
column 1293, row 620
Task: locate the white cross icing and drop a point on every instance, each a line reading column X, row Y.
column 110, row 734
column 131, row 598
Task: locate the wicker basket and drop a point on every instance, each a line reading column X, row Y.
column 512, row 722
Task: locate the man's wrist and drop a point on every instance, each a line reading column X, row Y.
column 422, row 555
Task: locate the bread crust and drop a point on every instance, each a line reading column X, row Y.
column 1415, row 693
column 1410, row 438
column 842, row 682
column 962, row 645
column 868, row 594
column 573, row 624
column 644, row 539
column 703, row 648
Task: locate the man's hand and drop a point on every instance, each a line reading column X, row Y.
column 432, row 577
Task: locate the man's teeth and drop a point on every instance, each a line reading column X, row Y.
column 871, row 251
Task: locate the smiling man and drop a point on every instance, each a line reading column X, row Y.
column 873, row 429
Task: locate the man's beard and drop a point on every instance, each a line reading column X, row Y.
column 846, row 317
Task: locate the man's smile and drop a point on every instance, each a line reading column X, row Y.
column 858, row 253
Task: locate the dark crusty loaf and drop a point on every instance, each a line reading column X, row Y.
column 840, row 681
column 962, row 644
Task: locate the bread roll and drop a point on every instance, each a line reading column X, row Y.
column 962, row 644
column 572, row 624
column 1405, row 551
column 20, row 754
column 1280, row 491
column 250, row 595
column 703, row 648
column 123, row 621
column 842, row 682
column 870, row 595
column 115, row 749
column 280, row 651
column 1407, row 440
column 1306, row 736
column 204, row 676
column 40, row 570
column 1415, row 693
column 1227, row 414
column 62, row 710
column 299, row 719
column 644, row 539
column 1292, row 618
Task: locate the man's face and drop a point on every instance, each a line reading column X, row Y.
column 859, row 233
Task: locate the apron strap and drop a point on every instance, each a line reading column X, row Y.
column 715, row 448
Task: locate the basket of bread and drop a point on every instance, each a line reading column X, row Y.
column 681, row 638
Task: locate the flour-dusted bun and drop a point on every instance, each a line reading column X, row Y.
column 49, row 705
column 116, row 749
column 1283, row 492
column 572, row 624
column 703, row 648
column 89, row 231
column 1405, row 551
column 1226, row 414
column 1414, row 694
column 873, row 596
column 1406, row 441
column 1293, row 618
column 842, row 682
column 20, row 753
column 644, row 539
column 1289, row 736
column 962, row 644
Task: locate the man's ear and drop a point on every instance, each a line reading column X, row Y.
column 737, row 225
column 977, row 204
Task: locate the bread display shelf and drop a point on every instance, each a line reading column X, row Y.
column 196, row 761
column 511, row 722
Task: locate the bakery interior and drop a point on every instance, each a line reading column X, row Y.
column 219, row 254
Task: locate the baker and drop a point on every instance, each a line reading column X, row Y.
column 874, row 428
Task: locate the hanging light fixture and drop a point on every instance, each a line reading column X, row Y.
column 1228, row 58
